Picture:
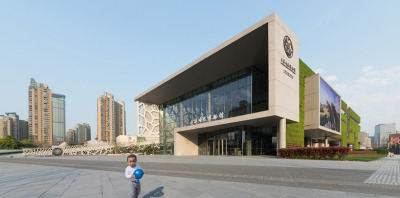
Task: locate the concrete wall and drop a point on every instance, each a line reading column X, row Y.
column 186, row 144
column 283, row 82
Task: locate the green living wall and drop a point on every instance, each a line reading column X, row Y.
column 350, row 126
column 344, row 129
column 354, row 128
column 295, row 131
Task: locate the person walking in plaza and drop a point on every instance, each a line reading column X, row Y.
column 134, row 184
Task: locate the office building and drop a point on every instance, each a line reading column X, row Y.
column 58, row 103
column 382, row 132
column 250, row 96
column 23, row 130
column 110, row 118
column 40, row 113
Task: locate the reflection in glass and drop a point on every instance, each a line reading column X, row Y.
column 240, row 93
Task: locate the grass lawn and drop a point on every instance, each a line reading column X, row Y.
column 364, row 157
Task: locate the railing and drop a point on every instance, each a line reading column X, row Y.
column 70, row 150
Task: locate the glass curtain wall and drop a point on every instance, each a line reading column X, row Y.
column 231, row 96
column 58, row 108
column 241, row 140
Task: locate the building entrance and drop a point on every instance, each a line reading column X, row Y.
column 239, row 141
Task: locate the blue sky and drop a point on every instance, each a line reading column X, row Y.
column 83, row 48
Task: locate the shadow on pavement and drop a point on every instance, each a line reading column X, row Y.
column 155, row 193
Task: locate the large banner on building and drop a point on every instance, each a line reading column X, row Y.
column 329, row 107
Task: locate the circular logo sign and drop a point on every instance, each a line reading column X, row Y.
column 288, row 46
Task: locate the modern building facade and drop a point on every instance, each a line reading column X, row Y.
column 58, row 107
column 382, row 132
column 40, row 112
column 110, row 118
column 248, row 96
column 148, row 122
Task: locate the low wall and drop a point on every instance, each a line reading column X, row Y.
column 363, row 152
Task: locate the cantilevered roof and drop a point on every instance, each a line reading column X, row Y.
column 248, row 48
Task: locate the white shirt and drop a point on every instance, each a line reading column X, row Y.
column 129, row 171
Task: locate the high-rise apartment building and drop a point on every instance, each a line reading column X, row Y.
column 40, row 113
column 110, row 118
column 5, row 126
column 58, row 101
column 14, row 125
column 120, row 118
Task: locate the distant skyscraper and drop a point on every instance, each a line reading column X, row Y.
column 58, row 101
column 110, row 118
column 71, row 136
column 120, row 118
column 80, row 134
column 5, row 126
column 40, row 113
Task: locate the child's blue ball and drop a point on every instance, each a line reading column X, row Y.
column 138, row 173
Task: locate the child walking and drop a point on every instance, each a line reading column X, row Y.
column 134, row 184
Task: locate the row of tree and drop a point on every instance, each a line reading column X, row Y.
column 10, row 142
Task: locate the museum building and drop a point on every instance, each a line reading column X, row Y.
column 250, row 96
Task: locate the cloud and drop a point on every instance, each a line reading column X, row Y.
column 367, row 68
column 331, row 78
column 379, row 78
column 375, row 96
column 318, row 71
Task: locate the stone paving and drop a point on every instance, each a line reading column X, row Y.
column 26, row 180
column 388, row 173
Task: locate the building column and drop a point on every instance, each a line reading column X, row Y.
column 326, row 141
column 282, row 133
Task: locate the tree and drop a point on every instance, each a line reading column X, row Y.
column 9, row 142
column 26, row 143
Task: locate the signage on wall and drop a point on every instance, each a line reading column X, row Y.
column 288, row 47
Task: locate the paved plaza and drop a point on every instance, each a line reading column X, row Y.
column 29, row 180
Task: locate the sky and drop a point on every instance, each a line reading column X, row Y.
column 84, row 48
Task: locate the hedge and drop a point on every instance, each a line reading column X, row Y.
column 381, row 151
column 314, row 152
